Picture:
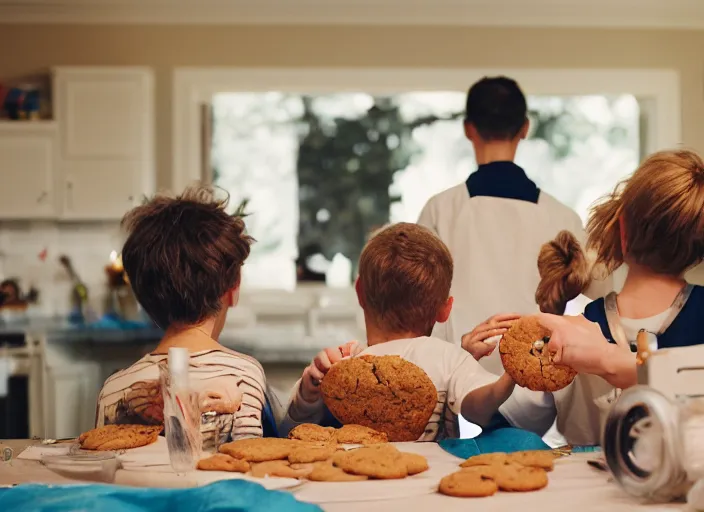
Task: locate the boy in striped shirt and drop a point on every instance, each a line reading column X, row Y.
column 183, row 257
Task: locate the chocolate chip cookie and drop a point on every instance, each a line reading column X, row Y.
column 468, row 483
column 526, row 358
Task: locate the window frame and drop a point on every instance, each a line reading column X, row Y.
column 657, row 89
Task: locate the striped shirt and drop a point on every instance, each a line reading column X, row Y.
column 454, row 372
column 231, row 389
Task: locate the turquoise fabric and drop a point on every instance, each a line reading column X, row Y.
column 226, row 495
column 506, row 440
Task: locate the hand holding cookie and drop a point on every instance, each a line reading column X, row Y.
column 478, row 341
column 319, row 367
column 578, row 343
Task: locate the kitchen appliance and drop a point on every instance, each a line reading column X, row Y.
column 653, row 438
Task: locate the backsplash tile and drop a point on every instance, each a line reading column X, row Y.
column 88, row 245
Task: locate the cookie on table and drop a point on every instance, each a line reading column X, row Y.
column 223, row 462
column 485, row 459
column 325, row 472
column 517, row 478
column 260, row 449
column 305, row 468
column 526, row 358
column 280, row 468
column 119, row 437
column 538, row 459
column 385, row 393
column 358, row 434
column 469, row 483
column 308, row 454
column 414, row 463
column 373, row 462
column 312, row 433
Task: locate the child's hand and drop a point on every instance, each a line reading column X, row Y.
column 314, row 373
column 475, row 342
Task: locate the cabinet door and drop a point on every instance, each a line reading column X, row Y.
column 104, row 113
column 26, row 173
column 105, row 118
column 99, row 189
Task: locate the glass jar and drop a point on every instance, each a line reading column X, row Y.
column 653, row 446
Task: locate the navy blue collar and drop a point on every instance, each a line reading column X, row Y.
column 505, row 180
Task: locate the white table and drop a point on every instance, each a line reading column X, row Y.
column 574, row 487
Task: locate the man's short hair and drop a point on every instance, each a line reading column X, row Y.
column 183, row 254
column 405, row 273
column 497, row 108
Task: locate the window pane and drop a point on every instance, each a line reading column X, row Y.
column 320, row 172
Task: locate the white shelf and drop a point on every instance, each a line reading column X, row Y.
column 34, row 126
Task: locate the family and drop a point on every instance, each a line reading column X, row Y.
column 439, row 293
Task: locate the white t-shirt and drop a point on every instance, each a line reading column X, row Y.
column 495, row 244
column 454, row 373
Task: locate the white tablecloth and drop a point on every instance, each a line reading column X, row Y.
column 574, row 487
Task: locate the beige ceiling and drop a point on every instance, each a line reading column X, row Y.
column 686, row 14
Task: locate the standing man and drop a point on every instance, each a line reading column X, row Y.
column 495, row 223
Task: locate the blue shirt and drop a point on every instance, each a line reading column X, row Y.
column 685, row 330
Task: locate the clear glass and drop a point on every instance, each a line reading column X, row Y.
column 181, row 423
column 320, row 172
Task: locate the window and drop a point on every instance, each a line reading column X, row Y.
column 320, row 172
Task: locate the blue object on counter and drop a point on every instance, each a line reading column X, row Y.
column 506, row 440
column 111, row 321
column 585, row 449
column 230, row 495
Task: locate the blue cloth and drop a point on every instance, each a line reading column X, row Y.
column 226, row 495
column 506, row 440
column 684, row 331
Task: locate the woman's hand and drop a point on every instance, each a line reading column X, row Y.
column 321, row 364
column 475, row 342
column 578, row 343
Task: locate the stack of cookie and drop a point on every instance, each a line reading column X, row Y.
column 484, row 475
column 315, row 453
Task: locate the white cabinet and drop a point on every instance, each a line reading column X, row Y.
column 105, row 119
column 27, row 170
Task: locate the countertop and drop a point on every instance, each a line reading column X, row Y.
column 267, row 345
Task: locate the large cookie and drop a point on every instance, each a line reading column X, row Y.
column 385, row 393
column 526, row 358
column 119, row 437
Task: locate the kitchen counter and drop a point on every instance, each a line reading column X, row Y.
column 66, row 365
column 265, row 345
